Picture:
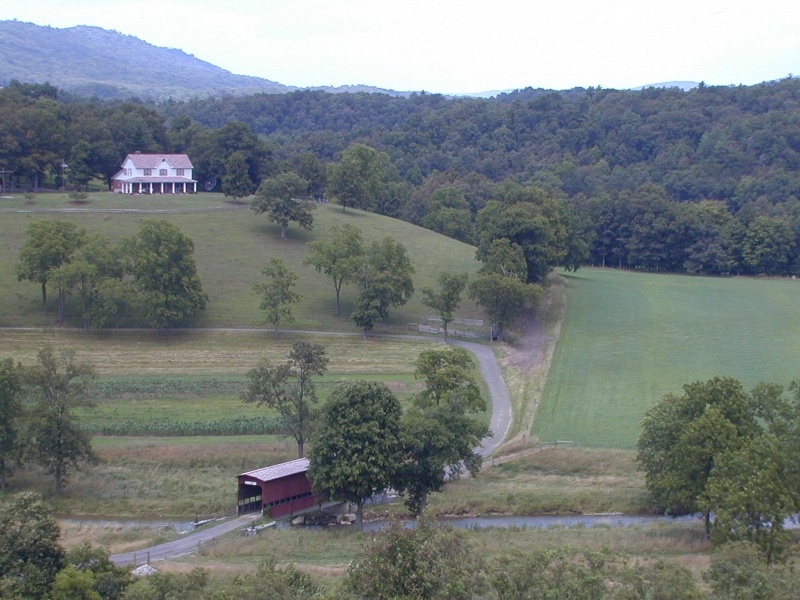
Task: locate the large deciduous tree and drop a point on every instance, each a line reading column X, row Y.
column 30, row 556
column 87, row 276
column 165, row 274
column 49, row 245
column 386, row 281
column 360, row 177
column 539, row 223
column 57, row 441
column 236, row 181
column 505, row 299
column 284, row 199
column 683, row 438
column 276, row 292
column 751, row 495
column 340, row 256
column 289, row 388
column 356, row 445
column 501, row 287
column 446, row 298
column 440, row 433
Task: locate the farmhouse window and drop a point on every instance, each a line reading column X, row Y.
column 148, row 172
column 162, row 172
column 179, row 173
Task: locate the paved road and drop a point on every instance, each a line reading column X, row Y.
column 188, row 544
column 498, row 390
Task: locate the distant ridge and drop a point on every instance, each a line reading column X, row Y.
column 684, row 85
column 96, row 62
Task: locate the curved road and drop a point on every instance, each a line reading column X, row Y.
column 500, row 424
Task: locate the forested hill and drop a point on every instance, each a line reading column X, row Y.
column 96, row 62
column 705, row 181
column 723, row 143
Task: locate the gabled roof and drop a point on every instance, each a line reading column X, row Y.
column 299, row 465
column 153, row 161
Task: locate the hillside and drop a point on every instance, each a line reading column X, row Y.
column 231, row 248
column 95, row 62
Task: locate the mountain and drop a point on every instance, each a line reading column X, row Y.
column 96, row 62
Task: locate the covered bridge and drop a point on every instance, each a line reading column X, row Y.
column 279, row 490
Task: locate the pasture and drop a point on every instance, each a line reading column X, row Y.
column 629, row 338
column 232, row 245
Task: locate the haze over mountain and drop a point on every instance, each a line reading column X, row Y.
column 96, row 62
column 91, row 61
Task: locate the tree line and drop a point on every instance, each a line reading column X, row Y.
column 658, row 179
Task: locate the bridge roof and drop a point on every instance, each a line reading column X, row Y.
column 278, row 471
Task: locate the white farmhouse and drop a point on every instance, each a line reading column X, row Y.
column 155, row 174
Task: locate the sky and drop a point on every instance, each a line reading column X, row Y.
column 458, row 46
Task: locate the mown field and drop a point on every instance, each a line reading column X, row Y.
column 232, row 245
column 629, row 338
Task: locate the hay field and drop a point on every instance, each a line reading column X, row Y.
column 629, row 338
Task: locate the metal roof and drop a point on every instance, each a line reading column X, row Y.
column 153, row 161
column 299, row 465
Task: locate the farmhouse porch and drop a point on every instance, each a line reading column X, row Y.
column 157, row 185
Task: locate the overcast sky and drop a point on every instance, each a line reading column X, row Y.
column 458, row 46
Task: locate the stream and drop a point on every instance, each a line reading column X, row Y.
column 475, row 522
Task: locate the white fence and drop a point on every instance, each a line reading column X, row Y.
column 464, row 328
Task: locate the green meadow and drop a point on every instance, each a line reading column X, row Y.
column 232, row 246
column 625, row 340
column 629, row 338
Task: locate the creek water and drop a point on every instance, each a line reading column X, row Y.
column 474, row 522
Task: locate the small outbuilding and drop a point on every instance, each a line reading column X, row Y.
column 279, row 490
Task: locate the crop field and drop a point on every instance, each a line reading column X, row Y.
column 168, row 420
column 232, row 246
column 629, row 338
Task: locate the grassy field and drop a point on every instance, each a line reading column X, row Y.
column 207, row 353
column 180, row 477
column 231, row 248
column 630, row 338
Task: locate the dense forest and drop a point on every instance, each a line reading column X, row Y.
column 700, row 181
